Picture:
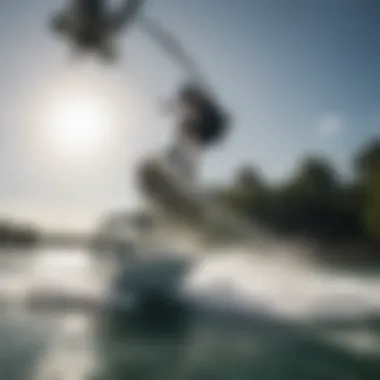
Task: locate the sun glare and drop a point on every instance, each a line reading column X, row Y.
column 78, row 126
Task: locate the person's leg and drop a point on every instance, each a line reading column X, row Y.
column 184, row 156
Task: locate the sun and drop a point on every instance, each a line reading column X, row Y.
column 78, row 126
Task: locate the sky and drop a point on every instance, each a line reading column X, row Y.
column 298, row 77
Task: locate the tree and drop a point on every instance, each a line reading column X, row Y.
column 307, row 204
column 367, row 165
column 248, row 193
column 249, row 179
column 315, row 176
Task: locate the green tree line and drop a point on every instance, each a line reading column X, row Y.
column 316, row 200
column 17, row 234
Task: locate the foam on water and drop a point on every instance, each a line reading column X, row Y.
column 281, row 283
column 270, row 278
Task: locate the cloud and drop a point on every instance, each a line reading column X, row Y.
column 330, row 125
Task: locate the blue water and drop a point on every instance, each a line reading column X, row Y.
column 272, row 342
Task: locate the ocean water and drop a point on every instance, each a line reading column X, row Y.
column 272, row 317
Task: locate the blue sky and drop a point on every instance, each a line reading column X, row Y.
column 299, row 77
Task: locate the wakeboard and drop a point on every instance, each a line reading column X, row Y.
column 162, row 183
column 168, row 190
